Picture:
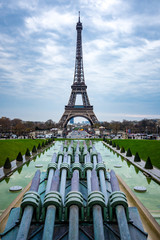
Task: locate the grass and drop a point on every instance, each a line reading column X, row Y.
column 145, row 149
column 11, row 148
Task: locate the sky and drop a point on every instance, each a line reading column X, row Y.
column 121, row 57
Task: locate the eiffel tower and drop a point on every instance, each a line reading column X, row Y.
column 78, row 88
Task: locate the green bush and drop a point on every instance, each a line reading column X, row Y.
column 27, row 154
column 19, row 157
column 110, row 143
column 122, row 150
column 129, row 153
column 39, row 146
column 118, row 148
column 7, row 164
column 114, row 145
column 43, row 145
column 148, row 164
column 137, row 158
column 34, row 150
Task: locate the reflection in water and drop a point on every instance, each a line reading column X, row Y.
column 117, row 155
column 27, row 163
column 136, row 169
column 122, row 158
column 7, row 179
column 34, row 159
column 148, row 179
column 129, row 164
column 20, row 169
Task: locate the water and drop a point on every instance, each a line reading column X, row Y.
column 131, row 175
column 23, row 176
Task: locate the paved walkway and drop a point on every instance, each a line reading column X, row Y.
column 154, row 173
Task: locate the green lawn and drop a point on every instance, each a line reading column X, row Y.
column 11, row 148
column 145, row 148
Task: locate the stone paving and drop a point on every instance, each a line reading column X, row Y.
column 154, row 173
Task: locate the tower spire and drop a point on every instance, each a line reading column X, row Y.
column 79, row 72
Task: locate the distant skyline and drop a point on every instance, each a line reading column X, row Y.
column 121, row 56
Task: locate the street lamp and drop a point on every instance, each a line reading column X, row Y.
column 157, row 129
column 146, row 130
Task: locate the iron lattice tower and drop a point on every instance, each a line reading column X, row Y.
column 78, row 88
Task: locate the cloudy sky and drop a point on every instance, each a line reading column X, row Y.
column 121, row 55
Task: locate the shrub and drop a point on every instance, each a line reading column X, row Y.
column 114, row 145
column 19, row 157
column 110, row 143
column 7, row 164
column 129, row 154
column 118, row 148
column 39, row 146
column 148, row 164
column 43, row 145
column 122, row 150
column 34, row 150
column 137, row 158
column 27, row 154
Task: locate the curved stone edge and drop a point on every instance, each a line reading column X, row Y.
column 149, row 223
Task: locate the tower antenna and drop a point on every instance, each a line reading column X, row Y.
column 79, row 16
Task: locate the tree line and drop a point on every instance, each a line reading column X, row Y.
column 20, row 127
column 146, row 126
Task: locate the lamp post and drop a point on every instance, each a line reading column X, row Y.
column 146, row 131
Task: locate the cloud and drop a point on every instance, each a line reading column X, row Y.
column 104, row 6
column 28, row 4
column 50, row 20
column 121, row 50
